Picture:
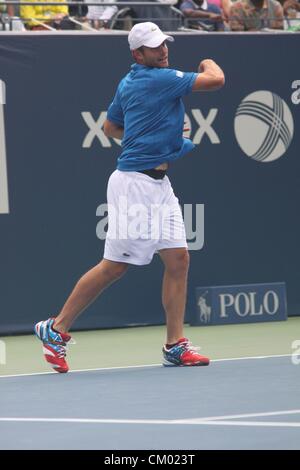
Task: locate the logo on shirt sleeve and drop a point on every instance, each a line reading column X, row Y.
column 179, row 74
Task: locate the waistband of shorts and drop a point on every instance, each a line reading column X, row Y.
column 155, row 174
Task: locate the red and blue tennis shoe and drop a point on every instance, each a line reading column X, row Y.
column 183, row 353
column 54, row 344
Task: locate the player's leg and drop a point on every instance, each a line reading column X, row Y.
column 87, row 289
column 176, row 262
column 53, row 332
column 178, row 350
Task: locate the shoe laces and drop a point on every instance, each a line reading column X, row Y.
column 62, row 348
column 189, row 347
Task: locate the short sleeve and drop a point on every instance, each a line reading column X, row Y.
column 115, row 112
column 174, row 83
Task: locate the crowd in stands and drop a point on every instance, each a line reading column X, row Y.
column 239, row 15
column 205, row 15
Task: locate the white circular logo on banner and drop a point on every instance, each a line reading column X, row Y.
column 263, row 126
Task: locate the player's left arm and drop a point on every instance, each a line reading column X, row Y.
column 210, row 77
column 113, row 130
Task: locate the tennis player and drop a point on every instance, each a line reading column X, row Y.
column 147, row 114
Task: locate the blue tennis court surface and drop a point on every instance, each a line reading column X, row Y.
column 232, row 404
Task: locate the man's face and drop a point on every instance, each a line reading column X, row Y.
column 153, row 56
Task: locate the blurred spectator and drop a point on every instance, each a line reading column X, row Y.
column 291, row 11
column 224, row 6
column 9, row 19
column 6, row 12
column 202, row 14
column 99, row 16
column 290, row 5
column 8, row 9
column 36, row 16
column 255, row 15
column 80, row 10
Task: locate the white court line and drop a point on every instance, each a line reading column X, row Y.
column 88, row 420
column 245, row 415
column 200, row 421
column 143, row 366
column 250, row 357
column 82, row 370
column 274, row 424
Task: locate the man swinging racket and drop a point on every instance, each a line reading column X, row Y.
column 147, row 114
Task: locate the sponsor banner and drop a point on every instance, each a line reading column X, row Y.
column 221, row 305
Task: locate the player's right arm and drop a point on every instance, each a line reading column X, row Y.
column 210, row 77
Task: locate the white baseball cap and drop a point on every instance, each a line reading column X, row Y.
column 146, row 34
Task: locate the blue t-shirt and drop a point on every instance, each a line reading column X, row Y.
column 148, row 105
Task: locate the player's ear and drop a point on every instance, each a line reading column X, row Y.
column 137, row 55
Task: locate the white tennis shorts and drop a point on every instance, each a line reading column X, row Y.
column 144, row 217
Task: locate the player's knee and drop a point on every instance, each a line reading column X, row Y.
column 120, row 269
column 180, row 264
column 113, row 270
column 184, row 261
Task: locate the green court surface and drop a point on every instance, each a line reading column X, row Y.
column 142, row 345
